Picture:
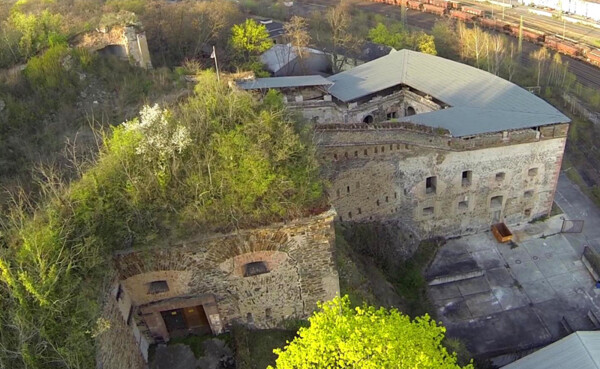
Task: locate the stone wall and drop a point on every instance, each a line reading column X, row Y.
column 379, row 107
column 210, row 271
column 130, row 38
column 381, row 174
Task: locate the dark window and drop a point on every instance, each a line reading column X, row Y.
column 346, row 155
column 528, row 194
column 348, row 189
column 255, row 268
column 527, row 212
column 430, row 184
column 268, row 313
column 334, row 156
column 375, row 150
column 533, row 172
column 428, row 211
column 496, row 202
column 467, row 175
column 463, row 205
column 350, row 214
column 119, row 292
column 158, row 287
column 366, row 152
column 382, row 148
column 392, row 115
column 368, row 119
column 391, row 147
column 359, row 211
column 377, row 202
column 356, row 154
column 387, row 199
column 500, row 176
column 410, row 111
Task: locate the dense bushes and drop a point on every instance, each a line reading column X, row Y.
column 218, row 161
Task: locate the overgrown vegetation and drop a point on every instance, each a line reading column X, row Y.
column 254, row 348
column 340, row 336
column 218, row 161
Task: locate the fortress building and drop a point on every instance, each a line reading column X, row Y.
column 438, row 146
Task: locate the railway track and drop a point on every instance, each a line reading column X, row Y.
column 586, row 74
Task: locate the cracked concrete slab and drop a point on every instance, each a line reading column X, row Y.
column 510, row 298
column 483, row 304
column 499, row 277
column 473, row 286
column 539, row 291
column 526, row 271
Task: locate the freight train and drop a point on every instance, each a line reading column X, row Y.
column 470, row 14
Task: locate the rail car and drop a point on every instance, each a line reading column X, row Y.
column 470, row 14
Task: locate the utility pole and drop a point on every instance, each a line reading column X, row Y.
column 520, row 49
column 403, row 12
column 214, row 56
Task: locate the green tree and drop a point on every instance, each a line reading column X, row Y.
column 394, row 37
column 340, row 336
column 250, row 38
column 444, row 34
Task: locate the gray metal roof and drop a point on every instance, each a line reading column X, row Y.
column 479, row 101
column 579, row 350
column 283, row 82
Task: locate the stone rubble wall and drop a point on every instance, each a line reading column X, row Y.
column 299, row 256
column 380, row 174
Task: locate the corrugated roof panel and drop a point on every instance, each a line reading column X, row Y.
column 283, row 82
column 580, row 350
column 480, row 101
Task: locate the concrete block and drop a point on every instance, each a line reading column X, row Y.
column 526, row 271
column 539, row 291
column 473, row 286
column 483, row 304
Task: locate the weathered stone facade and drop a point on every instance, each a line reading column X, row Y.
column 380, row 172
column 127, row 43
column 211, row 274
column 395, row 103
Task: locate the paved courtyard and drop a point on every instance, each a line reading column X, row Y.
column 502, row 298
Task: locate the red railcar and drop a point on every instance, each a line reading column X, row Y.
column 564, row 47
column 465, row 17
column 533, row 35
column 416, row 5
column 593, row 56
column 441, row 3
column 454, row 4
column 438, row 10
column 472, row 10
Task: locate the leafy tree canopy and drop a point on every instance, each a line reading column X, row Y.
column 219, row 161
column 368, row 338
column 399, row 38
column 250, row 37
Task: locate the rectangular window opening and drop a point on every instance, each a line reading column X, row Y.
column 428, row 211
column 496, row 202
column 430, row 184
column 467, row 176
column 533, row 172
column 528, row 194
column 158, row 287
column 527, row 212
column 500, row 176
column 255, row 268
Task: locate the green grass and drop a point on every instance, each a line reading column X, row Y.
column 254, row 348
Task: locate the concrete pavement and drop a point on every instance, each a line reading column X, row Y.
column 577, row 206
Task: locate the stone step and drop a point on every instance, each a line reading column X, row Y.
column 456, row 277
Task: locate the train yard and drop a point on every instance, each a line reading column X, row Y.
column 585, row 70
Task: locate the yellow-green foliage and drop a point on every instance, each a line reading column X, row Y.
column 218, row 161
column 340, row 336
